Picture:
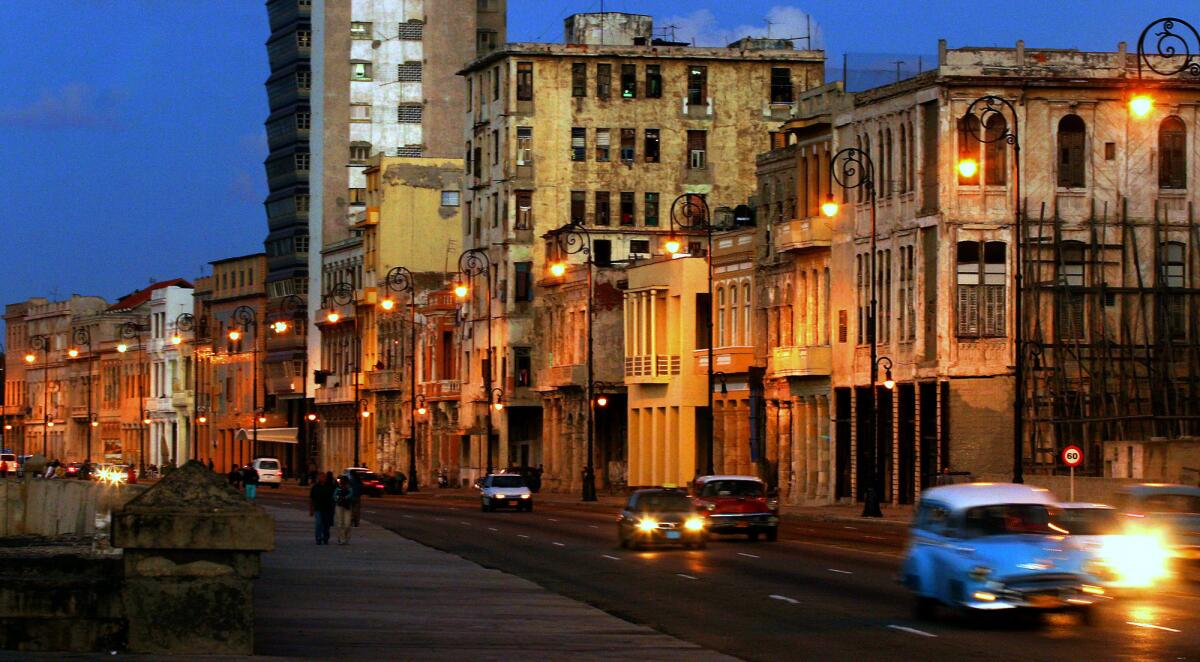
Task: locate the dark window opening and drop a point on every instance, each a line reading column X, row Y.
column 697, row 92
column 650, row 210
column 578, row 206
column 579, row 79
column 627, row 208
column 653, row 81
column 781, row 85
column 628, row 81
column 1071, row 138
column 603, row 208
column 524, row 81
column 1172, row 150
column 651, row 146
column 523, row 287
column 603, row 81
column 602, row 249
column 628, row 138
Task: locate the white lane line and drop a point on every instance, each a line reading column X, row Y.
column 749, row 556
column 791, row 601
column 438, row 519
column 1153, row 626
column 372, row 512
column 840, row 572
column 875, row 537
column 522, row 535
column 559, row 544
column 464, row 523
column 680, row 574
column 852, row 528
column 610, row 557
column 551, row 519
column 492, row 528
column 593, row 526
column 408, row 517
column 453, row 508
column 922, row 633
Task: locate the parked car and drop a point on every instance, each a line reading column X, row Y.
column 269, row 471
column 371, row 482
column 994, row 546
column 737, row 505
column 661, row 516
column 10, row 460
column 504, row 491
column 1131, row 558
column 1169, row 511
column 71, row 470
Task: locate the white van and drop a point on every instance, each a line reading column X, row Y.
column 269, row 471
column 10, row 460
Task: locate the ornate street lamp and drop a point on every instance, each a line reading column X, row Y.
column 246, row 321
column 573, row 239
column 291, row 315
column 471, row 263
column 185, row 323
column 852, row 168
column 133, row 331
column 985, row 110
column 400, row 279
column 42, row 343
column 690, row 213
column 341, row 293
column 83, row 337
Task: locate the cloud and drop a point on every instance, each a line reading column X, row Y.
column 245, row 188
column 702, row 27
column 72, row 106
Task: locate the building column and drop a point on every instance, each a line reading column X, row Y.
column 742, row 439
column 825, row 451
column 786, row 470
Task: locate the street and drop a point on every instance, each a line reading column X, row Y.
column 826, row 589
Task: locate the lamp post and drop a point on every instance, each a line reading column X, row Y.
column 471, row 263
column 246, row 321
column 341, row 293
column 690, row 213
column 852, row 168
column 572, row 239
column 291, row 316
column 987, row 109
column 185, row 323
column 42, row 343
column 400, row 279
column 133, row 331
column 82, row 336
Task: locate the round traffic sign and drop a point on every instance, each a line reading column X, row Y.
column 1072, row 456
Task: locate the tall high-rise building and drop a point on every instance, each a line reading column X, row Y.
column 382, row 77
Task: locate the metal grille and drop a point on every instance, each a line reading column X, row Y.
column 409, row 150
column 408, row 72
column 409, row 114
column 411, row 31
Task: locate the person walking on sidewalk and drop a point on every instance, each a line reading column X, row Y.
column 356, row 491
column 235, row 477
column 320, row 505
column 250, row 480
column 343, row 502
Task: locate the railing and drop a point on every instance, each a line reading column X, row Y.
column 803, row 233
column 385, row 379
column 652, row 365
column 800, row 361
column 441, row 388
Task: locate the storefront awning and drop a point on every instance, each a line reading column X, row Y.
column 271, row 435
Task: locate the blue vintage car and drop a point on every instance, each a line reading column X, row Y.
column 994, row 546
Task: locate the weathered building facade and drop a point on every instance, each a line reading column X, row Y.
column 606, row 131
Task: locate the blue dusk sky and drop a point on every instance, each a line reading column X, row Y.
column 131, row 136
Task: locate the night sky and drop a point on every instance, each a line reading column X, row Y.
column 131, row 135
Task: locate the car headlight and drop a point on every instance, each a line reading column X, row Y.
column 710, row 506
column 694, row 524
column 524, row 496
column 773, row 504
column 980, row 572
column 647, row 524
column 498, row 496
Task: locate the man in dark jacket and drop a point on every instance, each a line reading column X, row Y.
column 250, row 480
column 356, row 491
column 235, row 477
column 320, row 504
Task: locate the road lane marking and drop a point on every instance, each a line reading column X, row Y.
column 922, row 633
column 610, row 557
column 559, row 544
column 522, row 535
column 791, row 601
column 372, row 512
column 492, row 528
column 840, row 572
column 749, row 556
column 875, row 537
column 551, row 519
column 852, row 528
column 464, row 523
column 593, row 526
column 680, row 574
column 1153, row 626
column 408, row 517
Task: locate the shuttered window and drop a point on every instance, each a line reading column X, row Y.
column 1070, row 304
column 603, row 81
column 603, row 208
column 603, row 144
column 409, row 114
column 579, row 79
column 981, row 289
column 1171, row 275
column 578, row 143
column 697, row 142
column 1172, row 150
column 1071, row 139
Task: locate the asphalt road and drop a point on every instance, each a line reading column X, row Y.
column 825, row 590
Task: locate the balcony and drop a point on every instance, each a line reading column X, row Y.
column 802, row 234
column 726, row 359
column 808, row 361
column 651, row 368
column 445, row 388
column 385, row 380
column 563, row 375
column 181, row 399
column 336, row 394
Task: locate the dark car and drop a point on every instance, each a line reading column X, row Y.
column 72, row 470
column 661, row 517
column 737, row 505
column 371, row 482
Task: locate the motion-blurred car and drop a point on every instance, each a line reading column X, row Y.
column 1130, row 557
column 737, row 505
column 661, row 517
column 371, row 482
column 10, row 462
column 504, row 491
column 71, row 470
column 1169, row 511
column 995, row 546
column 269, row 471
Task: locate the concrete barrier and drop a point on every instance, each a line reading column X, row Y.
column 40, row 507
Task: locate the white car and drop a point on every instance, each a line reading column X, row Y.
column 505, row 491
column 269, row 471
column 1130, row 558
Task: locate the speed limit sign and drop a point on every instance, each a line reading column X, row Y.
column 1072, row 456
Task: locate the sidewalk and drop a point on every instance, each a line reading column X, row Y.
column 386, row 597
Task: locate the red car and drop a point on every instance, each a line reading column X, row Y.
column 372, row 484
column 737, row 505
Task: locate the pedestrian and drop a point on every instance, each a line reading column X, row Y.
column 131, row 476
column 85, row 470
column 210, row 464
column 535, row 479
column 356, row 490
column 343, row 517
column 3, row 468
column 320, row 505
column 401, row 479
column 250, row 481
column 235, row 477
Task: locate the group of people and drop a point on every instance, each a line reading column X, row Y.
column 335, row 503
column 244, row 478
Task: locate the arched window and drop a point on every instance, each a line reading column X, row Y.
column 720, row 317
column 995, row 151
column 1071, row 162
column 902, row 183
column 733, row 316
column 746, row 313
column 968, row 148
column 1172, row 151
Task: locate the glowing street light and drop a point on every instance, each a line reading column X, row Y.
column 235, row 335
column 829, row 207
column 673, row 246
column 176, row 339
column 461, row 290
column 387, row 304
column 333, row 317
column 73, row 353
column 558, row 269
column 30, row 358
column 968, row 168
column 1141, row 105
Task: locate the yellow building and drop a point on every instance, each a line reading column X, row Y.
column 665, row 311
column 413, row 215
